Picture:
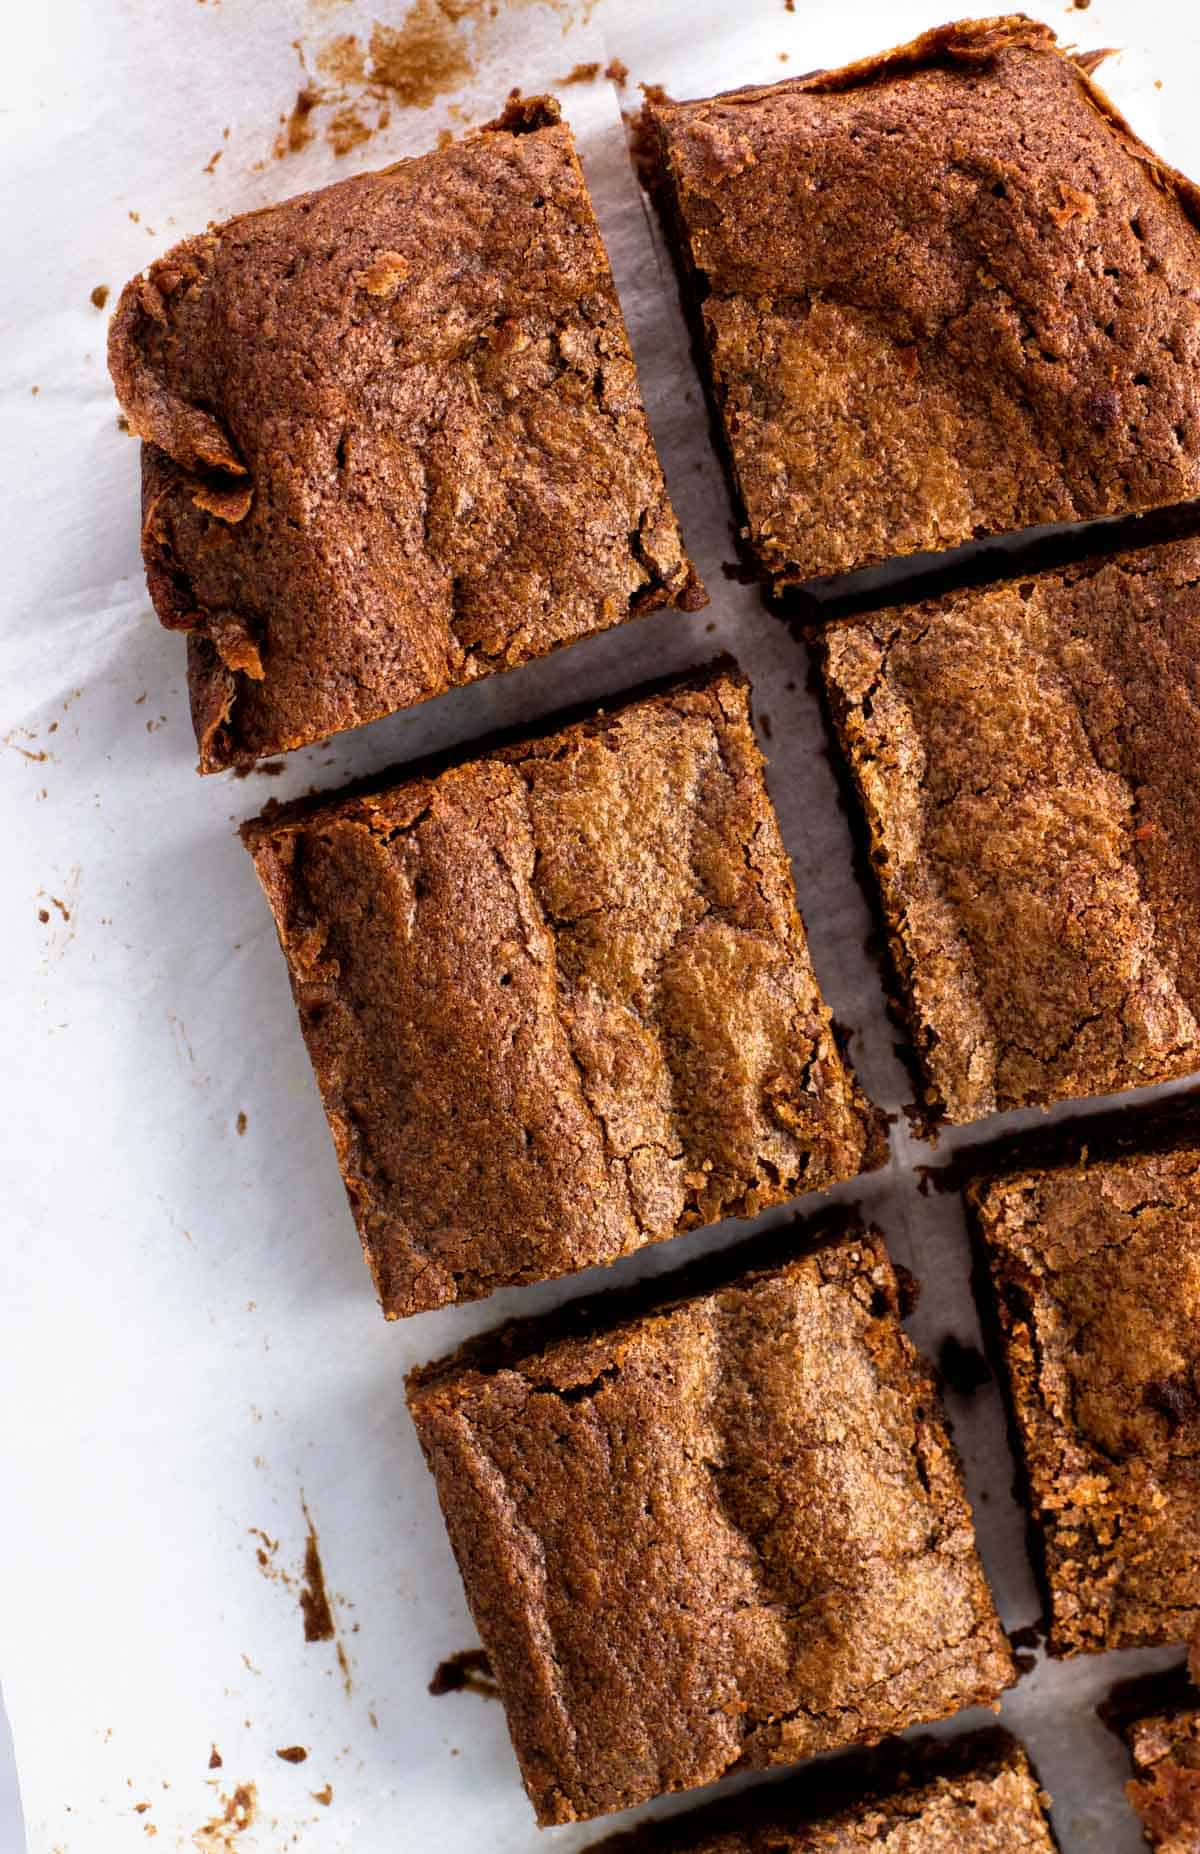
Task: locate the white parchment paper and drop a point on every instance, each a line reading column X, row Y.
column 193, row 1370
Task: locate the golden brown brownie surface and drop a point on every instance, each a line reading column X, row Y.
column 559, row 1001
column 394, row 440
column 943, row 293
column 1025, row 758
column 720, row 1531
column 1096, row 1266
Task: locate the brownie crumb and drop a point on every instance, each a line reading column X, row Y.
column 99, row 296
column 324, row 1797
column 215, row 1760
column 617, row 72
column 468, row 1671
column 580, row 74
column 241, row 1122
column 293, row 1754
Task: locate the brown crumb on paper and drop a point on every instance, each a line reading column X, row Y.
column 324, row 1796
column 224, row 1831
column 293, row 1754
column 241, row 1122
column 215, row 1760
column 579, row 74
column 99, row 296
column 468, row 1671
column 617, row 72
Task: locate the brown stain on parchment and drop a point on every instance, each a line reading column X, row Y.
column 421, row 59
column 314, row 1598
column 435, row 48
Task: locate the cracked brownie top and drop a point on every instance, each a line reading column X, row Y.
column 394, row 440
column 973, row 1795
column 1025, row 756
column 943, row 293
column 716, row 1531
column 559, row 1000
column 1096, row 1265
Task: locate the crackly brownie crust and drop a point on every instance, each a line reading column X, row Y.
column 1025, row 758
column 716, row 1532
column 973, row 1795
column 941, row 293
column 1095, row 1266
column 558, row 998
column 394, row 440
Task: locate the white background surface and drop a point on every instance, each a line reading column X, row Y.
column 190, row 1342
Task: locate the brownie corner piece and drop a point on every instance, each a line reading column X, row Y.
column 713, row 1524
column 1094, row 1253
column 975, row 1794
column 1159, row 1718
column 937, row 295
column 558, row 998
column 394, row 440
column 1022, row 756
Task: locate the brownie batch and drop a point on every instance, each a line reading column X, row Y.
column 556, row 991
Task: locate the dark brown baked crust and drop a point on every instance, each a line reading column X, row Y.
column 1095, row 1265
column 973, row 1795
column 394, row 440
column 942, row 293
column 724, row 1531
column 1025, row 759
column 558, row 998
column 1159, row 1718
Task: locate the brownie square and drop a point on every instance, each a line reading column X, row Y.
column 720, row 1527
column 1166, row 1792
column 394, row 440
column 1159, row 1718
column 1025, row 759
column 1093, row 1245
column 975, row 1795
column 941, row 293
column 559, row 1000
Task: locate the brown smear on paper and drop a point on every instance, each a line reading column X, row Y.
column 316, row 1607
column 314, row 1598
column 433, row 50
column 421, row 59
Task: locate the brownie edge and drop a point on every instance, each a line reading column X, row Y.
column 971, row 1795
